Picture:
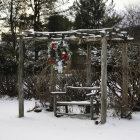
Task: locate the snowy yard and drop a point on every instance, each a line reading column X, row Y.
column 44, row 126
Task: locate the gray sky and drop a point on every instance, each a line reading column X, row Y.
column 121, row 4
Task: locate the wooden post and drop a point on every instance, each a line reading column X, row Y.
column 66, row 108
column 52, row 79
column 88, row 71
column 51, row 86
column 91, row 107
column 103, row 80
column 88, row 65
column 124, row 81
column 55, row 104
column 65, row 89
column 139, row 69
column 20, row 79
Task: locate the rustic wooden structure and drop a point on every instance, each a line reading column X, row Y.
column 79, row 103
column 88, row 36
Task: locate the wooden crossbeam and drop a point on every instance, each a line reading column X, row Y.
column 84, row 88
column 78, row 36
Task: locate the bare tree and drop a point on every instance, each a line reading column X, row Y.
column 133, row 15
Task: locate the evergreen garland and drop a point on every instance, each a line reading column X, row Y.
column 58, row 51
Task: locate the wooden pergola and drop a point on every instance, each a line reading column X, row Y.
column 87, row 36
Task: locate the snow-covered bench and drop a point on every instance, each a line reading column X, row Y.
column 71, row 103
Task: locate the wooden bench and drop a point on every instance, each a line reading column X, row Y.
column 71, row 103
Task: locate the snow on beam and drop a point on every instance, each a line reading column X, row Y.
column 95, row 30
column 88, row 88
column 71, row 32
column 76, row 40
column 58, row 92
column 79, row 36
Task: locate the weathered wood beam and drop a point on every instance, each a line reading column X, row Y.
column 77, row 40
column 84, row 88
column 20, row 79
column 91, row 107
column 88, row 71
column 91, row 39
column 124, row 81
column 85, row 35
column 94, row 31
column 52, row 79
column 51, row 86
column 55, row 104
column 68, row 39
column 86, row 103
column 70, row 32
column 139, row 68
column 104, row 80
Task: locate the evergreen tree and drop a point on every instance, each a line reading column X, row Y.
column 59, row 23
column 89, row 13
column 95, row 14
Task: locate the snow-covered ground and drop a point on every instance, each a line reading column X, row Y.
column 44, row 126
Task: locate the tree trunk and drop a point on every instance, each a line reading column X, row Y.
column 12, row 25
column 36, row 24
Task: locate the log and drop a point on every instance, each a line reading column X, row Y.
column 91, row 107
column 58, row 93
column 84, row 88
column 71, row 32
column 79, row 103
column 55, row 105
column 103, row 80
column 124, row 81
column 88, row 80
column 51, row 86
column 52, row 79
column 20, row 79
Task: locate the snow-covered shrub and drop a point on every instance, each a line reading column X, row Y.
column 115, row 79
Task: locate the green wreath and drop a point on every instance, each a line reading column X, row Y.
column 58, row 51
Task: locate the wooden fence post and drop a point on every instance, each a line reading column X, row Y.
column 103, row 80
column 88, row 71
column 55, row 104
column 139, row 69
column 20, row 79
column 51, row 86
column 91, row 107
column 88, row 65
column 124, row 81
column 52, row 79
